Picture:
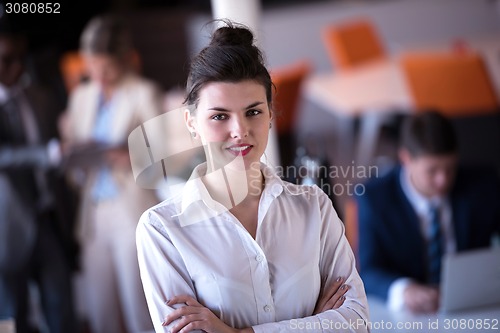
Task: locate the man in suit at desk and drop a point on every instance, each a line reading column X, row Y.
column 35, row 222
column 419, row 211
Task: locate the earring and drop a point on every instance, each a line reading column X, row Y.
column 193, row 134
column 270, row 125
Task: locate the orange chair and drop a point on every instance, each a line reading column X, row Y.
column 72, row 69
column 288, row 81
column 455, row 84
column 352, row 43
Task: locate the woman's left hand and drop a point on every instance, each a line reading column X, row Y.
column 332, row 297
column 118, row 158
column 194, row 316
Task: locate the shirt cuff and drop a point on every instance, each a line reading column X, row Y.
column 54, row 152
column 395, row 299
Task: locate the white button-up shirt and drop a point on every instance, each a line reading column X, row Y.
column 271, row 282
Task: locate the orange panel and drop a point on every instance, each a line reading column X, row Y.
column 73, row 69
column 455, row 84
column 288, row 81
column 353, row 43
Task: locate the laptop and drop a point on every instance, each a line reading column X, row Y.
column 470, row 279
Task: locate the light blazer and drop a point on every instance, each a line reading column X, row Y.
column 391, row 245
column 138, row 100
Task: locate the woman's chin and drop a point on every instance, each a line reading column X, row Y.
column 232, row 162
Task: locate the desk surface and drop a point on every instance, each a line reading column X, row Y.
column 380, row 86
column 474, row 320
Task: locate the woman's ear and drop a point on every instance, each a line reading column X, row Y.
column 189, row 120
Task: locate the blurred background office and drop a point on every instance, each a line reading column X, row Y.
column 344, row 71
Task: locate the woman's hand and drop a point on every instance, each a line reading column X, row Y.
column 118, row 158
column 195, row 316
column 420, row 298
column 331, row 298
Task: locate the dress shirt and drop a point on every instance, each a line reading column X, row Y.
column 104, row 186
column 422, row 207
column 271, row 282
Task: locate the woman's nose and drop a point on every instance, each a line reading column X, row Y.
column 239, row 128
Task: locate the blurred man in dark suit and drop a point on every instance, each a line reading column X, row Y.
column 35, row 224
column 421, row 210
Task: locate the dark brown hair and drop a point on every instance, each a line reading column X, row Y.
column 231, row 56
column 428, row 133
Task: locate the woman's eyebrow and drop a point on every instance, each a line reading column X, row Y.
column 217, row 108
column 253, row 105
column 221, row 109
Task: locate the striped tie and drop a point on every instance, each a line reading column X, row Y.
column 435, row 247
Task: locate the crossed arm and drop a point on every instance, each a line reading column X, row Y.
column 194, row 316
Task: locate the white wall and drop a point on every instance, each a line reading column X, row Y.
column 295, row 33
column 289, row 34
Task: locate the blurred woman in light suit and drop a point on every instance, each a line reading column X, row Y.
column 104, row 111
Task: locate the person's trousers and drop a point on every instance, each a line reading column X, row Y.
column 48, row 267
column 114, row 295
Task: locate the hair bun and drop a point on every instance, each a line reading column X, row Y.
column 232, row 35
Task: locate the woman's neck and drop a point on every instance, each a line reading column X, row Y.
column 107, row 92
column 255, row 181
column 109, row 89
column 230, row 187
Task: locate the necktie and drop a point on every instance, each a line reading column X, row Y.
column 435, row 247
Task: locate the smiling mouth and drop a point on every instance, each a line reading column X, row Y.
column 243, row 150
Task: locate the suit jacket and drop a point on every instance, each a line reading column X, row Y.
column 19, row 160
column 391, row 244
column 138, row 100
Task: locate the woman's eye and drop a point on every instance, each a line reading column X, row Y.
column 253, row 112
column 219, row 117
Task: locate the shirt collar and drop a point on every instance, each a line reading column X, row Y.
column 273, row 184
column 7, row 92
column 196, row 204
column 195, row 190
column 4, row 94
column 421, row 203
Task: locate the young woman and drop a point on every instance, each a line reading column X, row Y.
column 105, row 110
column 239, row 249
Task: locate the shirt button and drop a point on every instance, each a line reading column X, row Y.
column 276, row 190
column 259, row 258
column 267, row 308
